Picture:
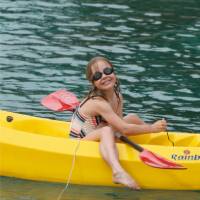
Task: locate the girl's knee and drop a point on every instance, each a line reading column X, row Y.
column 107, row 131
column 131, row 117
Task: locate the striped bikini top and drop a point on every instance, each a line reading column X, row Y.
column 81, row 124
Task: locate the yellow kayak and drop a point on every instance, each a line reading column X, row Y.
column 39, row 149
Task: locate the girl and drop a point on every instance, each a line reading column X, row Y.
column 99, row 117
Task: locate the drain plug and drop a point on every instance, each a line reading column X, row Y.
column 9, row 118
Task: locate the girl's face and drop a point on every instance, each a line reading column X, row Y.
column 103, row 75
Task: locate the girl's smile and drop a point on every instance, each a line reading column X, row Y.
column 106, row 81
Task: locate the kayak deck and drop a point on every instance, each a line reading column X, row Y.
column 40, row 149
column 57, row 128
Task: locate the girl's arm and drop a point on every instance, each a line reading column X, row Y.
column 105, row 110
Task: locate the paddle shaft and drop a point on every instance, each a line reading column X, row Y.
column 129, row 142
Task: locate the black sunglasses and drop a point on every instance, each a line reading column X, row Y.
column 97, row 75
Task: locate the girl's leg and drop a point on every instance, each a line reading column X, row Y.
column 110, row 154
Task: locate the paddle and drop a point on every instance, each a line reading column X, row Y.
column 62, row 100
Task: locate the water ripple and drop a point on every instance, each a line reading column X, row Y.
column 45, row 46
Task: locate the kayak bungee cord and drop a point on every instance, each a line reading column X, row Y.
column 172, row 142
column 71, row 171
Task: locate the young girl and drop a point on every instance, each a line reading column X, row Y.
column 99, row 117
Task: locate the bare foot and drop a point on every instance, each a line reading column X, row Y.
column 125, row 179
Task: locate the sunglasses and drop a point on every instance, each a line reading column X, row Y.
column 98, row 75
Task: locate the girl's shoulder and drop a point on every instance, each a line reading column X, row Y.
column 92, row 106
column 99, row 100
column 93, row 100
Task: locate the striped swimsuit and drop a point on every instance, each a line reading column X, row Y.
column 81, row 125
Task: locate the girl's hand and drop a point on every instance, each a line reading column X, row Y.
column 159, row 126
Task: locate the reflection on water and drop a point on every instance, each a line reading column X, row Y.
column 154, row 46
column 26, row 190
column 45, row 46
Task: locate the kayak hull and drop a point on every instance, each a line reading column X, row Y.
column 39, row 149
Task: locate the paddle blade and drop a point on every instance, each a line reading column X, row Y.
column 60, row 100
column 52, row 103
column 157, row 161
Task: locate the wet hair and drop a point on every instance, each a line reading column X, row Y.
column 94, row 91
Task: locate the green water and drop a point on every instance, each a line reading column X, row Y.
column 154, row 46
column 13, row 189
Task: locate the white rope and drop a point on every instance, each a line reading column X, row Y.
column 71, row 171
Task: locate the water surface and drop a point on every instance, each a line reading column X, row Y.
column 154, row 46
column 29, row 190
